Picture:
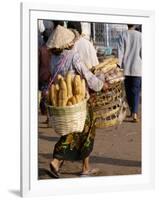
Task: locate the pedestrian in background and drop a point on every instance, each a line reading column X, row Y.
column 44, row 60
column 83, row 46
column 129, row 55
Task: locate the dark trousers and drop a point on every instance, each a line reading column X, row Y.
column 133, row 89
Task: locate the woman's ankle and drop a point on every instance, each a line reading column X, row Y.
column 86, row 166
column 134, row 115
column 55, row 163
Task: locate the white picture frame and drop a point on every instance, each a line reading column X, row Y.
column 30, row 185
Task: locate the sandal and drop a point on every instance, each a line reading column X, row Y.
column 90, row 172
column 135, row 117
column 135, row 120
column 54, row 172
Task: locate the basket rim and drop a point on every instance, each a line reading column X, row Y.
column 63, row 107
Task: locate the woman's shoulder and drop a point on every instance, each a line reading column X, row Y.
column 83, row 42
column 69, row 52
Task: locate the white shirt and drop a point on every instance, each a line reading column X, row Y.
column 129, row 52
column 41, row 26
column 86, row 30
column 87, row 52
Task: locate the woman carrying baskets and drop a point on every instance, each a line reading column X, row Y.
column 77, row 145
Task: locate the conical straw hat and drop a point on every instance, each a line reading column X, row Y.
column 60, row 38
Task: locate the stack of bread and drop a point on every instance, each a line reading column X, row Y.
column 109, row 107
column 67, row 91
column 67, row 106
column 109, row 67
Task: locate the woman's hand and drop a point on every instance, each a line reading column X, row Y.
column 105, row 86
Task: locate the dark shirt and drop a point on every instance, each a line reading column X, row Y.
column 44, row 64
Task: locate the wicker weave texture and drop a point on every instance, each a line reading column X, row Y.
column 107, row 107
column 68, row 119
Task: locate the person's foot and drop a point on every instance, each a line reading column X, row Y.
column 54, row 170
column 129, row 114
column 91, row 172
column 135, row 117
column 136, row 120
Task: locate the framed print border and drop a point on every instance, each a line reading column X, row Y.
column 30, row 185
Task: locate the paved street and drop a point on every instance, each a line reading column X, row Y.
column 117, row 151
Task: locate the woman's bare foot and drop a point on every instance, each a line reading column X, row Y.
column 90, row 172
column 54, row 167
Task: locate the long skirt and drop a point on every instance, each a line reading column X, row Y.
column 78, row 145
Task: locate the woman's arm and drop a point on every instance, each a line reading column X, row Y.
column 120, row 47
column 92, row 81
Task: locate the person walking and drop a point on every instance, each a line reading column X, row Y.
column 129, row 55
column 78, row 145
column 84, row 47
column 44, row 62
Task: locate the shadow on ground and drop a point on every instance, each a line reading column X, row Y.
column 113, row 161
column 15, row 192
column 48, row 138
column 45, row 172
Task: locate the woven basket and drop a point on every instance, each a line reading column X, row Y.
column 108, row 115
column 68, row 119
column 108, row 107
column 101, row 99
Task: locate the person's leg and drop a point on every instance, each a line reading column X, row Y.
column 136, row 88
column 55, row 163
column 85, row 166
column 128, row 91
column 87, row 144
column 54, row 167
column 61, row 152
column 67, row 148
column 87, row 170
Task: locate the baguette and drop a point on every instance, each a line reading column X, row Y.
column 83, row 88
column 53, row 95
column 62, row 92
column 77, row 85
column 69, row 84
column 73, row 100
column 78, row 98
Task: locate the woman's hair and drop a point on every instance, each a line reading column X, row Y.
column 59, row 51
column 130, row 26
column 75, row 25
column 46, row 34
column 57, row 22
column 56, row 51
column 138, row 28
